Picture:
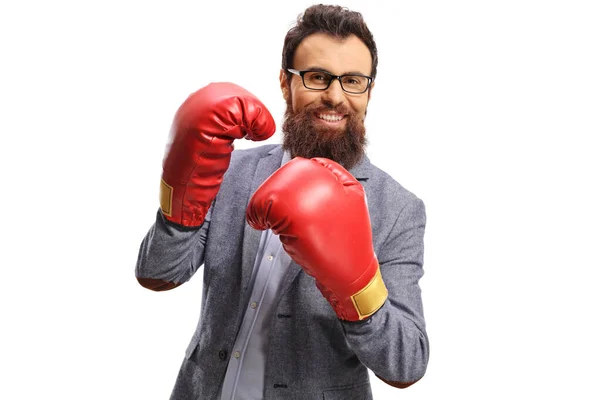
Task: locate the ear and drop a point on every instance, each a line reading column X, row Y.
column 284, row 85
column 370, row 90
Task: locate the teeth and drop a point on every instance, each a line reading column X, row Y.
column 330, row 118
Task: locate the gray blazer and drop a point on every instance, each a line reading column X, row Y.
column 312, row 354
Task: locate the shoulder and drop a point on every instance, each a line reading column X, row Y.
column 387, row 198
column 382, row 184
column 398, row 216
column 244, row 162
column 251, row 155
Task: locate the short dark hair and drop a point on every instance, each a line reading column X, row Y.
column 337, row 21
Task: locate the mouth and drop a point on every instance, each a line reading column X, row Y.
column 330, row 119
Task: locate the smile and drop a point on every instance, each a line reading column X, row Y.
column 330, row 117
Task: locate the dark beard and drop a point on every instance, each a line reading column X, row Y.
column 302, row 137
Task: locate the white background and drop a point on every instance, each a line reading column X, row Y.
column 488, row 111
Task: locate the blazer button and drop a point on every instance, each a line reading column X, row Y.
column 223, row 354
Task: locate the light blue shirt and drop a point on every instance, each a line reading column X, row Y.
column 244, row 379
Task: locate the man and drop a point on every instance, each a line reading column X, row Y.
column 311, row 254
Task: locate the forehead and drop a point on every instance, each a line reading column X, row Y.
column 337, row 56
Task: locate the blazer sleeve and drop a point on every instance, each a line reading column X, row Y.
column 393, row 342
column 169, row 254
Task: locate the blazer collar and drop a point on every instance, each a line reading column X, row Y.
column 360, row 171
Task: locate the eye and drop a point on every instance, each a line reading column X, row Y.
column 316, row 80
column 318, row 77
column 353, row 80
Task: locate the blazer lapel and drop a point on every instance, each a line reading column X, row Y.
column 362, row 170
column 265, row 167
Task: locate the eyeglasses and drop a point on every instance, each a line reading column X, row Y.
column 320, row 80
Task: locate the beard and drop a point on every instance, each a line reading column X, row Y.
column 304, row 137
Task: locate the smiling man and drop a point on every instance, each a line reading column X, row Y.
column 327, row 96
column 312, row 255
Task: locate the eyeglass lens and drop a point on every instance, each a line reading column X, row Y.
column 320, row 80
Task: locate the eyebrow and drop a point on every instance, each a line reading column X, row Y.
column 315, row 68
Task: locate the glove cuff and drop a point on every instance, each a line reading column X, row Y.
column 173, row 209
column 359, row 304
column 370, row 298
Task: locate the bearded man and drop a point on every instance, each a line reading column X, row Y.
column 312, row 255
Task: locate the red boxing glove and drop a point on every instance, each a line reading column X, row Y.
column 319, row 210
column 200, row 146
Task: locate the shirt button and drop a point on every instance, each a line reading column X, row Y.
column 253, row 304
column 236, row 354
column 223, row 354
column 270, row 258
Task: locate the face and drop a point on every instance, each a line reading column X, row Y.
column 328, row 123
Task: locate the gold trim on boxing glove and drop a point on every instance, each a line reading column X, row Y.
column 371, row 297
column 166, row 198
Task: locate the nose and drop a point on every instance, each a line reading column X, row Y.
column 334, row 93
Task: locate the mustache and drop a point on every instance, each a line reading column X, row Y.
column 340, row 109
